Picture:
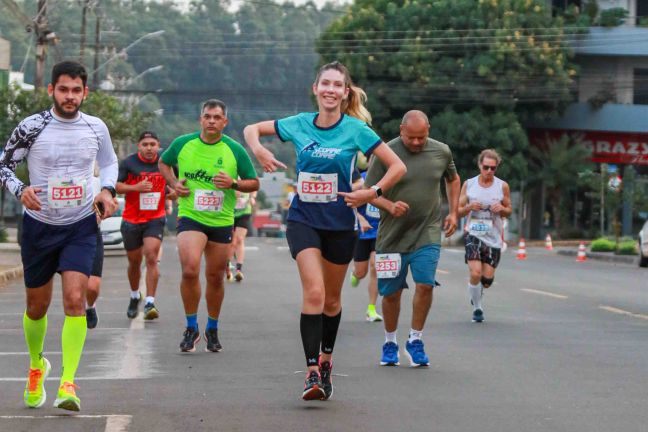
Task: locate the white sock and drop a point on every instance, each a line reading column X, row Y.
column 415, row 335
column 149, row 299
column 475, row 292
column 135, row 294
column 391, row 337
column 90, row 306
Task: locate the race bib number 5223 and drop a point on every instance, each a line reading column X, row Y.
column 208, row 200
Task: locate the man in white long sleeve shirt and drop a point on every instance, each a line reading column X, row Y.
column 59, row 233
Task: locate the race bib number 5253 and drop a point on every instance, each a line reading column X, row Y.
column 388, row 265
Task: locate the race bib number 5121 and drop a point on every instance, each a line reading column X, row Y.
column 65, row 193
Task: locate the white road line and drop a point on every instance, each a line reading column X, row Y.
column 95, row 378
column 251, row 248
column 453, row 250
column 544, row 293
column 114, row 422
column 623, row 312
column 443, row 271
column 283, row 248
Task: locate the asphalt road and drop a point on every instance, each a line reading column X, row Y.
column 564, row 348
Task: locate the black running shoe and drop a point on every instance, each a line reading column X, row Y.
column 91, row 318
column 133, row 306
column 191, row 336
column 478, row 316
column 326, row 370
column 211, row 337
column 150, row 312
column 313, row 387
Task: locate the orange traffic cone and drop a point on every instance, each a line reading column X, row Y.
column 582, row 255
column 521, row 253
column 548, row 244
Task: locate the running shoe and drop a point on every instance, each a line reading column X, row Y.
column 91, row 318
column 354, row 280
column 313, row 387
column 211, row 337
column 229, row 276
column 478, row 316
column 67, row 398
column 372, row 316
column 150, row 312
column 416, row 352
column 326, row 372
column 390, row 355
column 191, row 336
column 133, row 306
column 34, row 395
column 238, row 276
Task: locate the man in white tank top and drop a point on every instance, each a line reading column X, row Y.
column 485, row 201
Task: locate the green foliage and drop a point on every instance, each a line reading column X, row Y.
column 613, row 17
column 480, row 62
column 627, row 248
column 603, row 245
column 4, row 236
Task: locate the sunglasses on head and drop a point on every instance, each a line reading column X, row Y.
column 489, row 167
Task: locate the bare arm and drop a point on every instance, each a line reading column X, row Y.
column 452, row 190
column 172, row 180
column 143, row 186
column 252, row 134
column 504, row 208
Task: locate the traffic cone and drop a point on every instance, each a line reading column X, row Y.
column 521, row 253
column 548, row 244
column 582, row 255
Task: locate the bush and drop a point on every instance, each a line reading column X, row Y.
column 603, row 245
column 4, row 236
column 627, row 248
column 613, row 17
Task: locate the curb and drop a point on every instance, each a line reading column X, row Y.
column 11, row 274
column 622, row 259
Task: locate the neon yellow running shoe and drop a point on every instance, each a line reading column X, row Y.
column 354, row 280
column 373, row 316
column 67, row 398
column 34, row 395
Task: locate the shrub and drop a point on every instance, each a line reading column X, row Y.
column 613, row 17
column 603, row 245
column 627, row 248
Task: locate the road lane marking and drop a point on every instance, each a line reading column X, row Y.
column 283, row 248
column 251, row 248
column 53, row 353
column 623, row 312
column 114, row 422
column 91, row 378
column 443, row 271
column 544, row 293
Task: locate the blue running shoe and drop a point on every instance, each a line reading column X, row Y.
column 390, row 356
column 416, row 353
column 478, row 316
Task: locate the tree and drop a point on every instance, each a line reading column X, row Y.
column 488, row 65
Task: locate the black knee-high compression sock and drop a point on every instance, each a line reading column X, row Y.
column 311, row 334
column 329, row 331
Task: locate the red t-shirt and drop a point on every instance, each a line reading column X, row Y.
column 142, row 207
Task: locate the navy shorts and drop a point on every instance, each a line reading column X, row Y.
column 97, row 265
column 214, row 234
column 47, row 249
column 363, row 249
column 336, row 246
column 133, row 234
column 242, row 221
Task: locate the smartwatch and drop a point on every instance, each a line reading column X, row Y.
column 378, row 190
column 110, row 189
column 234, row 185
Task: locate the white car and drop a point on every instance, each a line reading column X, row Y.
column 643, row 245
column 110, row 229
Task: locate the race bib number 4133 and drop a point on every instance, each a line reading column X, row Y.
column 388, row 265
column 65, row 192
column 317, row 188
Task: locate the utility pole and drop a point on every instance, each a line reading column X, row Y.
column 41, row 43
column 84, row 12
column 97, row 47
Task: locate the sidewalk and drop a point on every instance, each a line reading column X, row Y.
column 10, row 262
column 601, row 256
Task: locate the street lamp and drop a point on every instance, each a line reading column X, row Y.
column 147, row 71
column 123, row 54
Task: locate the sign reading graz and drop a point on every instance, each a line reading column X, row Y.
column 608, row 147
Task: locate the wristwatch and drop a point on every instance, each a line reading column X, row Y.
column 234, row 185
column 110, row 189
column 378, row 190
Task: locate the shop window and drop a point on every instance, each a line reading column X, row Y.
column 640, row 87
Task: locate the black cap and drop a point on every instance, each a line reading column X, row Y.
column 148, row 134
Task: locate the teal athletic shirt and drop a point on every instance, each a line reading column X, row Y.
column 325, row 162
column 199, row 162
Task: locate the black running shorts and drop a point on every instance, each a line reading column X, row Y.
column 476, row 250
column 133, row 234
column 363, row 249
column 336, row 246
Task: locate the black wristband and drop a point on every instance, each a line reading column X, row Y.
column 110, row 189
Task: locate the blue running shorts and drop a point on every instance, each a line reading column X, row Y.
column 423, row 263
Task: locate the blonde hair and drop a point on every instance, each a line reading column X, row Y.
column 491, row 154
column 354, row 105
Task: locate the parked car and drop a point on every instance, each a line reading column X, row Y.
column 643, row 245
column 268, row 224
column 110, row 229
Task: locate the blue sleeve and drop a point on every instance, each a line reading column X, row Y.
column 366, row 139
column 285, row 127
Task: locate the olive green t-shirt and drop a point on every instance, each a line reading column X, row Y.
column 420, row 188
column 198, row 162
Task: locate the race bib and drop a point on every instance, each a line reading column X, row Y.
column 372, row 211
column 388, row 265
column 149, row 200
column 241, row 202
column 208, row 200
column 480, row 223
column 317, row 188
column 65, row 192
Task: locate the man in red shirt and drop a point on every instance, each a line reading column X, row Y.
column 143, row 219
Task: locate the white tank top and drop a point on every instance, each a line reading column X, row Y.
column 484, row 224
